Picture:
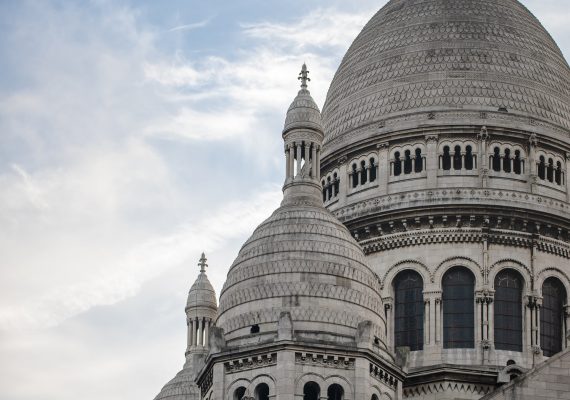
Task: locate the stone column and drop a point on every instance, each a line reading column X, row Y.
column 532, row 173
column 200, row 332
column 291, row 161
column 190, row 337
column 384, row 166
column 432, row 326
column 478, row 320
column 432, row 167
column 390, row 326
column 299, row 158
column 567, row 174
column 490, row 322
column 207, row 332
column 368, row 174
column 314, row 166
column 483, row 138
column 485, row 320
column 438, row 330
column 287, row 161
column 427, row 329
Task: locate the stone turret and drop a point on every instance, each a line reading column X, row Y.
column 201, row 311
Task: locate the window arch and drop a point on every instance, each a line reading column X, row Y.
column 335, row 392
column 552, row 316
column 508, row 310
column 397, row 164
column 262, row 392
column 446, row 159
column 558, row 173
column 457, row 162
column 542, row 168
column 507, row 161
column 496, row 159
column 336, row 184
column 517, row 163
column 458, row 308
column 239, row 393
column 363, row 179
column 372, row 170
column 374, row 397
column 311, row 391
column 409, row 310
column 324, row 184
column 354, row 176
column 418, row 161
column 550, row 170
column 469, row 158
column 408, row 162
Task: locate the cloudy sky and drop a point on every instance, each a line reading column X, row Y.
column 133, row 136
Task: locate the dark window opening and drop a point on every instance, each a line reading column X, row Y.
column 552, row 317
column 446, row 159
column 409, row 310
column 458, row 309
column 407, row 162
column 457, row 158
column 507, row 161
column 335, row 392
column 372, row 170
column 374, row 397
column 239, row 393
column 262, row 392
column 354, row 176
column 363, row 177
column 469, row 158
column 558, row 173
column 542, row 168
column 517, row 163
column 324, row 191
column 418, row 161
column 496, row 159
column 336, row 183
column 329, row 188
column 508, row 311
column 254, row 328
column 311, row 391
column 397, row 164
column 550, row 170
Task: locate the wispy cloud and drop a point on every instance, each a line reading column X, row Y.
column 191, row 26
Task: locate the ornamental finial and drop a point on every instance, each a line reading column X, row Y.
column 202, row 264
column 304, row 76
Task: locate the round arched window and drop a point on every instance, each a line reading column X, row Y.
column 551, row 316
column 311, row 391
column 458, row 308
column 409, row 310
column 508, row 310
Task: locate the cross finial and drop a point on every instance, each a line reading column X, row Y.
column 202, row 264
column 304, row 76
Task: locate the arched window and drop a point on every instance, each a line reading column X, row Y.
column 496, row 159
column 508, row 310
column 239, row 393
column 457, row 158
column 551, row 316
column 446, row 159
column 335, row 392
column 372, row 170
column 354, row 176
column 407, row 162
column 311, row 391
column 336, row 183
column 374, row 397
column 542, row 168
column 329, row 188
column 469, row 158
column 507, row 161
column 363, row 178
column 558, row 173
column 397, row 164
column 517, row 163
column 458, row 308
column 409, row 310
column 418, row 161
column 262, row 392
column 324, row 191
column 550, row 170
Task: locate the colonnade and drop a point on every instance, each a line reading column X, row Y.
column 296, row 153
column 198, row 332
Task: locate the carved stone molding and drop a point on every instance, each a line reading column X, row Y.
column 378, row 373
column 244, row 364
column 325, row 360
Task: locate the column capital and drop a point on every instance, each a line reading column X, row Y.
column 432, row 138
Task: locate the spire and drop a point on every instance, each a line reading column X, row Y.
column 304, row 77
column 202, row 263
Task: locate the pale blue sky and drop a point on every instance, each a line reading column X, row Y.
column 134, row 135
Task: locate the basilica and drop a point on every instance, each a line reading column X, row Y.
column 422, row 247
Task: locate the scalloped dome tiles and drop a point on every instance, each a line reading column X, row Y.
column 417, row 56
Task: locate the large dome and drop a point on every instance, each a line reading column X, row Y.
column 443, row 57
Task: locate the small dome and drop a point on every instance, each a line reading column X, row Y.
column 202, row 292
column 181, row 387
column 301, row 260
column 303, row 112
